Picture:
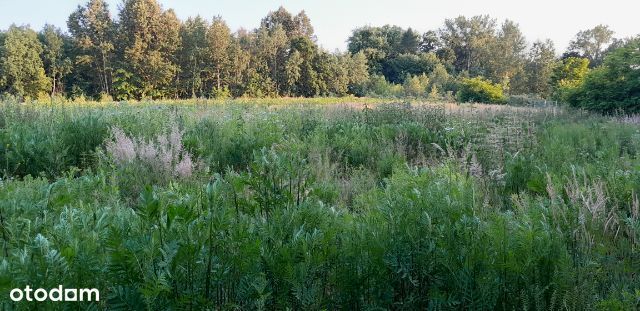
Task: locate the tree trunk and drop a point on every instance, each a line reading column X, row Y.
column 53, row 89
column 218, row 78
column 105, row 86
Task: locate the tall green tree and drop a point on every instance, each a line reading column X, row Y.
column 539, row 68
column 371, row 42
column 615, row 86
column 56, row 61
column 294, row 26
column 218, row 42
column 149, row 38
column 92, row 32
column 357, row 71
column 568, row 76
column 21, row 68
column 293, row 72
column 310, row 83
column 379, row 44
column 469, row 39
column 192, row 57
column 240, row 61
column 505, row 63
column 270, row 53
column 409, row 43
column 592, row 43
column 430, row 42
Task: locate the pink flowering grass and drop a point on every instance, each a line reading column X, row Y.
column 122, row 148
column 163, row 155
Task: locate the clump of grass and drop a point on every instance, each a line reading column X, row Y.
column 155, row 161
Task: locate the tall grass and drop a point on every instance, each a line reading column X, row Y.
column 389, row 206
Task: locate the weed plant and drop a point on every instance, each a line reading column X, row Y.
column 307, row 207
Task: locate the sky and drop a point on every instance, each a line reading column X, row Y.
column 333, row 20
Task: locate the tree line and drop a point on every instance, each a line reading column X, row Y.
column 480, row 60
column 147, row 52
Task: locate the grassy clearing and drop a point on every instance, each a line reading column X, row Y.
column 351, row 206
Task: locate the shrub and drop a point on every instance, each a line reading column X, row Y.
column 221, row 92
column 32, row 149
column 568, row 76
column 379, row 86
column 480, row 90
column 416, row 86
column 80, row 136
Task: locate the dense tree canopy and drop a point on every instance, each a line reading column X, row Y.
column 539, row 67
column 480, row 90
column 149, row 38
column 591, row 43
column 615, row 86
column 145, row 51
column 568, row 75
column 93, row 33
column 21, row 68
column 469, row 40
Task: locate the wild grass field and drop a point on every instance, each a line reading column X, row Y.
column 320, row 204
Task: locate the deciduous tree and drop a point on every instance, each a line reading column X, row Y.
column 149, row 39
column 192, row 57
column 567, row 76
column 539, row 68
column 505, row 62
column 592, row 43
column 469, row 40
column 219, row 40
column 615, row 86
column 92, row 32
column 56, row 61
column 21, row 69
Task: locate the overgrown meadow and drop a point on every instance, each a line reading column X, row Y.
column 320, row 205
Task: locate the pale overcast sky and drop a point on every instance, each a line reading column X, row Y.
column 333, row 20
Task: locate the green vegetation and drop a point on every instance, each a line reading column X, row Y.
column 568, row 76
column 232, row 205
column 614, row 86
column 145, row 52
column 179, row 165
column 479, row 90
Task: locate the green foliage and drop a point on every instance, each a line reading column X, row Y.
column 57, row 64
column 396, row 69
column 615, row 86
column 416, row 86
column 49, row 144
column 316, row 207
column 148, row 53
column 21, row 69
column 221, row 93
column 149, row 37
column 480, row 90
column 379, row 86
column 539, row 67
column 93, row 36
column 591, row 43
column 124, row 85
column 567, row 76
column 469, row 41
